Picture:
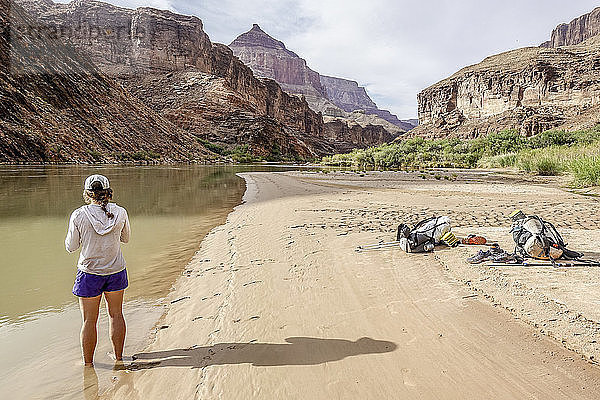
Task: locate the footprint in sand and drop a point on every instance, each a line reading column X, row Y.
column 407, row 378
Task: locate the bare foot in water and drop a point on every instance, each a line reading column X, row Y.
column 111, row 355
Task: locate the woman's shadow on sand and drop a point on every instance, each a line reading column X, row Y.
column 296, row 351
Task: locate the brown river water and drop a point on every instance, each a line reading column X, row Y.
column 171, row 209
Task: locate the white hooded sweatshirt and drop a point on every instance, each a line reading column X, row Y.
column 99, row 237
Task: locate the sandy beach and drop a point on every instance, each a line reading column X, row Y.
column 277, row 302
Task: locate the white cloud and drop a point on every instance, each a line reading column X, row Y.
column 395, row 48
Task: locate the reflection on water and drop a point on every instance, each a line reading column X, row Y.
column 90, row 383
column 171, row 209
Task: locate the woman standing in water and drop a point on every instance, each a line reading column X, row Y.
column 98, row 228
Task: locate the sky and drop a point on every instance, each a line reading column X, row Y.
column 394, row 49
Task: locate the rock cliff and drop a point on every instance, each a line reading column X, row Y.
column 269, row 58
column 347, row 94
column 144, row 45
column 333, row 97
column 530, row 89
column 353, row 135
column 57, row 107
column 576, row 31
column 213, row 95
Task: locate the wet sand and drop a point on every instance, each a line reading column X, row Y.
column 278, row 304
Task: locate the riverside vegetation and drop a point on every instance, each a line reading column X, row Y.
column 549, row 153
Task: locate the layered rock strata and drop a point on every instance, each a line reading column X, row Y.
column 206, row 105
column 269, row 58
column 55, row 106
column 333, row 97
column 353, row 135
column 576, row 31
column 529, row 89
column 145, row 45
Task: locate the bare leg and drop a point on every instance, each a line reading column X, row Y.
column 114, row 305
column 89, row 312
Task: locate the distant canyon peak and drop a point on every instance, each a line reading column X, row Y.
column 333, row 97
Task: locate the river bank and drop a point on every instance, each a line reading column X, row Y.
column 171, row 209
column 277, row 302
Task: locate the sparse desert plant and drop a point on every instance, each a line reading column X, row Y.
column 144, row 155
column 96, row 155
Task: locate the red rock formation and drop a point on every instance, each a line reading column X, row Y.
column 268, row 57
column 576, row 31
column 349, row 96
column 57, row 107
column 346, row 94
column 139, row 45
column 145, row 46
column 351, row 136
column 530, row 89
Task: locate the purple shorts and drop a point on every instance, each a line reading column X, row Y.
column 90, row 285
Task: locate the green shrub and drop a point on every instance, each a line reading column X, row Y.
column 552, row 138
column 96, row 155
column 546, row 167
column 122, row 156
column 586, row 170
column 549, row 153
column 508, row 141
column 499, row 161
column 587, row 136
column 242, row 155
column 215, row 148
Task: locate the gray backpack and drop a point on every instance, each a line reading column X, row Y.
column 424, row 236
column 539, row 239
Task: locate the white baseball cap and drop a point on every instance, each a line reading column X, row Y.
column 96, row 178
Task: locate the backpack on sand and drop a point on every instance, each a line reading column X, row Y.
column 424, row 236
column 539, row 239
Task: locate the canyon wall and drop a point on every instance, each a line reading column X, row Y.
column 142, row 45
column 269, row 58
column 56, row 106
column 529, row 89
column 346, row 94
column 359, row 136
column 576, row 31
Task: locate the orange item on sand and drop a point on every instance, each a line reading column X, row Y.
column 474, row 239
